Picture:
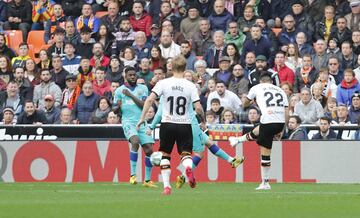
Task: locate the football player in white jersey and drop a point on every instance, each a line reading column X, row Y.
column 179, row 95
column 273, row 104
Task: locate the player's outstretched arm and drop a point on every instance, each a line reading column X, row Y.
column 149, row 101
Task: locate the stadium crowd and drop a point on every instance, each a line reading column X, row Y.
column 311, row 48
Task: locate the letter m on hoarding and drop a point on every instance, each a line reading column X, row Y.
column 87, row 160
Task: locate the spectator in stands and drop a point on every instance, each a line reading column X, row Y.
column 347, row 58
column 267, row 32
column 12, row 98
column 88, row 19
column 177, row 36
column 303, row 21
column 31, row 115
column 19, row 16
column 142, row 48
column 156, row 59
column 42, row 11
column 19, row 61
column 52, row 113
column 341, row 33
column 314, row 8
column 46, row 87
column 70, row 61
column 110, row 94
column 253, row 116
column 140, row 19
column 285, row 73
column 258, row 44
column 45, row 60
column 304, row 47
column 214, row 52
column 166, row 13
column 292, row 57
column 32, row 73
column 8, row 116
column 325, row 133
column 84, row 72
column 355, row 38
column 210, row 117
column 4, row 49
column 106, row 38
column 203, row 38
column 65, row 117
column 216, row 109
column 84, row 47
column 347, row 87
column 99, row 116
column 288, row 32
column 190, row 24
column 306, row 75
column 71, row 35
column 169, row 48
column 6, row 73
column 316, row 91
column 232, row 52
column 342, row 115
column 115, row 70
column 333, row 48
column 354, row 111
column 71, row 92
column 295, row 131
column 248, row 20
column 59, row 43
column 101, row 5
column 249, row 64
column 331, row 108
column 145, row 72
column 233, row 35
column 124, row 37
column 155, row 31
column 279, row 9
column 112, row 118
column 113, row 18
column 228, row 116
column 334, row 70
column 99, row 59
column 320, row 58
column 129, row 57
column 261, row 66
column 25, row 86
column 100, row 84
column 204, row 76
column 287, row 88
column 353, row 17
column 220, row 17
column 224, row 72
column 86, row 103
column 238, row 82
column 58, row 72
column 326, row 25
column 227, row 98
column 185, row 48
column 329, row 86
column 72, row 8
column 293, row 99
column 57, row 19
column 308, row 109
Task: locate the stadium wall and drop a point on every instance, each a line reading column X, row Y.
column 108, row 161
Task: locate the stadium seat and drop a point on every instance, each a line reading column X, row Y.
column 100, row 14
column 15, row 37
column 276, row 31
column 32, row 53
column 36, row 39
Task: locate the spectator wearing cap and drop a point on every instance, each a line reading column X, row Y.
column 100, row 84
column 284, row 72
column 202, row 39
column 140, row 20
column 325, row 133
column 224, row 73
column 115, row 70
column 190, row 24
column 84, row 48
column 56, row 20
column 125, row 36
column 99, row 59
column 308, row 109
column 353, row 18
column 233, row 35
column 220, row 17
column 354, row 111
column 214, row 52
column 347, row 87
column 52, row 113
column 58, row 72
column 185, row 48
column 8, row 116
column 306, row 75
column 341, row 33
column 88, row 19
column 42, row 11
column 70, row 61
column 248, row 20
column 238, row 84
column 71, row 92
column 155, row 33
column 113, row 18
column 71, row 35
column 46, row 87
column 19, row 16
column 261, row 67
column 12, row 98
column 258, row 44
column 58, row 47
column 31, row 115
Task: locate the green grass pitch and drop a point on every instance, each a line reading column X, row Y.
column 207, row 200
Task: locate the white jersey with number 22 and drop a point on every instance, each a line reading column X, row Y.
column 178, row 96
column 271, row 100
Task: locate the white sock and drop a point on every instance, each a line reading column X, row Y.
column 265, row 174
column 187, row 162
column 165, row 172
column 243, row 138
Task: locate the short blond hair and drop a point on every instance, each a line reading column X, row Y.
column 178, row 63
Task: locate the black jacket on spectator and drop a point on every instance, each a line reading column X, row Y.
column 343, row 8
column 280, row 8
column 8, row 52
column 263, row 8
column 26, row 89
column 254, row 77
column 300, row 83
column 59, row 78
column 320, row 29
column 23, row 11
column 85, row 49
column 37, row 116
column 115, row 76
column 112, row 26
column 84, row 107
column 332, row 136
column 341, row 37
column 260, row 47
column 72, row 7
column 3, row 9
column 304, row 23
column 316, row 9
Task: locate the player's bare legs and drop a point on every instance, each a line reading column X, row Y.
column 252, row 135
column 135, row 143
column 265, row 168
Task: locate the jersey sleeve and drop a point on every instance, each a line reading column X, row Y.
column 286, row 102
column 252, row 93
column 117, row 95
column 194, row 94
column 158, row 89
column 145, row 93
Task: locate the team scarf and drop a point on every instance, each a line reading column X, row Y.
column 80, row 22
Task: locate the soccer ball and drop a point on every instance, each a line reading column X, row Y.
column 155, row 158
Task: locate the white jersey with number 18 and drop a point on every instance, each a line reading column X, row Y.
column 271, row 100
column 178, row 96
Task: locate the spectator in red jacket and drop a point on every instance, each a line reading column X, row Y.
column 140, row 20
column 100, row 84
column 285, row 73
column 99, row 59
